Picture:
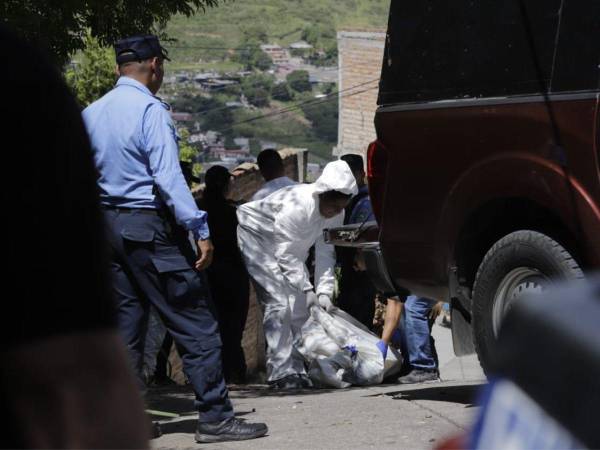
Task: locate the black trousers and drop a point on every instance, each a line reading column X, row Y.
column 152, row 263
column 230, row 288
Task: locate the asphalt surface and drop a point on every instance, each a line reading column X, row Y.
column 384, row 416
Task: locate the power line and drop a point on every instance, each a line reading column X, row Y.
column 297, row 105
column 292, row 108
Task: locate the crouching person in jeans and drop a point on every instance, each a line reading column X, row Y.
column 410, row 322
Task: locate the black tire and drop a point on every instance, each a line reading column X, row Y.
column 521, row 251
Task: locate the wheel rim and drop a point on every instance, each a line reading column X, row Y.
column 515, row 284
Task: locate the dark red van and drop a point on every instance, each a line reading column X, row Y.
column 484, row 177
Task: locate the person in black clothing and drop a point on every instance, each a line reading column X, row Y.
column 357, row 293
column 65, row 380
column 228, row 278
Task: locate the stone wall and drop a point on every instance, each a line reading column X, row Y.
column 360, row 56
column 248, row 180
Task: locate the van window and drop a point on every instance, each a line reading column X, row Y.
column 470, row 49
column 578, row 51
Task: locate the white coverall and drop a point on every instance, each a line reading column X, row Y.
column 275, row 235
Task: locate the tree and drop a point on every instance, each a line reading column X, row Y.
column 252, row 57
column 261, row 61
column 299, row 81
column 187, row 153
column 61, row 26
column 260, row 80
column 282, row 92
column 95, row 75
column 217, row 118
column 258, row 97
column 324, row 118
column 230, row 143
column 250, row 53
column 255, row 33
column 257, row 89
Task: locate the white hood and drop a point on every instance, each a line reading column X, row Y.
column 336, row 176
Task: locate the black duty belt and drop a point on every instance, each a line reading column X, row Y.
column 149, row 212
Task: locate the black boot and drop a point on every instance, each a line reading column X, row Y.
column 232, row 429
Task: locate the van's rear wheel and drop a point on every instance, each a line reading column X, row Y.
column 520, row 263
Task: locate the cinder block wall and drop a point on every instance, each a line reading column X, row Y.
column 360, row 57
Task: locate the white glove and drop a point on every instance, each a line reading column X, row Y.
column 325, row 302
column 311, row 299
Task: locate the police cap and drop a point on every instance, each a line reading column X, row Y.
column 139, row 48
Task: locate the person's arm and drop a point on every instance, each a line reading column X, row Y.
column 160, row 142
column 73, row 390
column 393, row 312
column 325, row 261
column 288, row 232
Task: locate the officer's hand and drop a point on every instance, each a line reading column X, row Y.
column 205, row 254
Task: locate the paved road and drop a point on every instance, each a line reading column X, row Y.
column 385, row 416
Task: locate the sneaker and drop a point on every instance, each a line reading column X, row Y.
column 289, row 382
column 419, row 376
column 231, row 429
column 305, row 381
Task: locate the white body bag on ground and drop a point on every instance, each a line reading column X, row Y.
column 341, row 352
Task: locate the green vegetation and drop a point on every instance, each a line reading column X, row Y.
column 94, row 74
column 250, row 56
column 298, row 81
column 222, row 32
column 61, row 27
column 292, row 128
column 257, row 89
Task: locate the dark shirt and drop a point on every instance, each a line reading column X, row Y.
column 222, row 223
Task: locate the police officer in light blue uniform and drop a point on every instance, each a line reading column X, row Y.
column 149, row 212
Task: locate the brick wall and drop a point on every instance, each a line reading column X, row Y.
column 248, row 180
column 360, row 55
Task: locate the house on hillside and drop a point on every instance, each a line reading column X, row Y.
column 224, row 153
column 360, row 56
column 213, row 81
column 243, row 143
column 278, row 54
column 320, row 75
column 301, row 45
column 182, row 117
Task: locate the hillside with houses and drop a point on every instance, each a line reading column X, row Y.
column 237, row 86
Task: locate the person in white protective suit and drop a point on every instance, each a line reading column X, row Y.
column 275, row 235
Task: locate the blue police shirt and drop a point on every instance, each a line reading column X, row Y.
column 134, row 142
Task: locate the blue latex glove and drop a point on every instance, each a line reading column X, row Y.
column 383, row 348
column 352, row 349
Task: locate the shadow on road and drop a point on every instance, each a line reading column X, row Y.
column 179, row 399
column 465, row 394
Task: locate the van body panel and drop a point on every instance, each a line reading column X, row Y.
column 478, row 161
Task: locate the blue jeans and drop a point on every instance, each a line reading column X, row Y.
column 416, row 343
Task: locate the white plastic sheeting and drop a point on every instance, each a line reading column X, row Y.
column 341, row 352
